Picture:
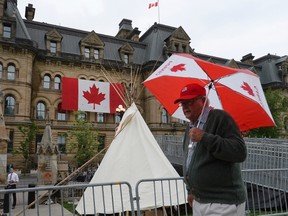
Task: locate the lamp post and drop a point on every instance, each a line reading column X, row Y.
column 120, row 111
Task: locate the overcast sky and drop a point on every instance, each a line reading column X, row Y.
column 223, row 28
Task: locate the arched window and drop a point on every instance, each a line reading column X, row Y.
column 11, row 72
column 164, row 116
column 46, row 82
column 100, row 117
column 61, row 114
column 1, row 71
column 117, row 118
column 81, row 115
column 57, row 83
column 40, row 111
column 9, row 105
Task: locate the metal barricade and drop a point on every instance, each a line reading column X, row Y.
column 167, row 196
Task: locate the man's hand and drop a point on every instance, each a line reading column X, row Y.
column 196, row 134
column 190, row 199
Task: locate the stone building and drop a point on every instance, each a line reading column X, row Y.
column 34, row 56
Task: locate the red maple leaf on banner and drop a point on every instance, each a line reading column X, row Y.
column 247, row 88
column 94, row 97
column 179, row 67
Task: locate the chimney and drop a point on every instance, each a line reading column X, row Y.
column 126, row 24
column 30, row 12
column 125, row 28
column 248, row 59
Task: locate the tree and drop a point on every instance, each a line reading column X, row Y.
column 277, row 104
column 26, row 146
column 84, row 140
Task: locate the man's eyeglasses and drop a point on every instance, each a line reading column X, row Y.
column 189, row 102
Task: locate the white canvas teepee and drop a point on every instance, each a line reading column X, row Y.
column 133, row 155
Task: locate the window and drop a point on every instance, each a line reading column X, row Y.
column 117, row 118
column 57, row 83
column 61, row 140
column 11, row 72
column 126, row 58
column 61, row 114
column 100, row 117
column 81, row 115
column 181, row 121
column 184, row 48
column 46, row 82
column 87, row 52
column 53, row 47
column 177, row 47
column 41, row 110
column 9, row 105
column 1, row 71
column 96, row 53
column 7, row 31
column 164, row 116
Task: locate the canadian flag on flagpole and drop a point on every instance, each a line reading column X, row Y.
column 91, row 96
column 153, row 5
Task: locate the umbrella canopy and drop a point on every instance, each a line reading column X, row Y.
column 237, row 91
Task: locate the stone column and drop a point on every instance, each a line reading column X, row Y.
column 47, row 159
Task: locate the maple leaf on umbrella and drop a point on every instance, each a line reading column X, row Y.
column 94, row 97
column 178, row 67
column 247, row 88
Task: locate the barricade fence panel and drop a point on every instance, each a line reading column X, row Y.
column 264, row 172
column 150, row 197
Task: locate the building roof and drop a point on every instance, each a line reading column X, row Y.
column 149, row 47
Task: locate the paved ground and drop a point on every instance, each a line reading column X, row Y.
column 21, row 209
column 42, row 210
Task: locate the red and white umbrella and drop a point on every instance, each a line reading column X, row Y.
column 237, row 91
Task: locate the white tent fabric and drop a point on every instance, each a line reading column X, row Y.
column 133, row 155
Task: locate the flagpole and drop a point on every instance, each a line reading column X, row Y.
column 158, row 11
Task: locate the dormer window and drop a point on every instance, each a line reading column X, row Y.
column 53, row 42
column 87, row 52
column 177, row 47
column 7, row 31
column 184, row 48
column 96, row 53
column 126, row 53
column 164, row 116
column 92, row 48
column 53, row 47
column 126, row 58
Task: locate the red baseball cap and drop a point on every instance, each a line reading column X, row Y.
column 191, row 91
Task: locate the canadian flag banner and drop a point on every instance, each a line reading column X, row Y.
column 153, row 5
column 91, row 96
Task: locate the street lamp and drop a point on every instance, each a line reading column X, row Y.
column 120, row 111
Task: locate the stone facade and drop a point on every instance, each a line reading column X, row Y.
column 35, row 56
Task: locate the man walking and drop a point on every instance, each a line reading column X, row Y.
column 13, row 179
column 213, row 148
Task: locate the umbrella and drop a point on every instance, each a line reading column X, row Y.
column 237, row 91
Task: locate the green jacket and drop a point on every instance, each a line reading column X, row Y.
column 214, row 174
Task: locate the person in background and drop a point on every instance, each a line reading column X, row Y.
column 13, row 179
column 213, row 149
